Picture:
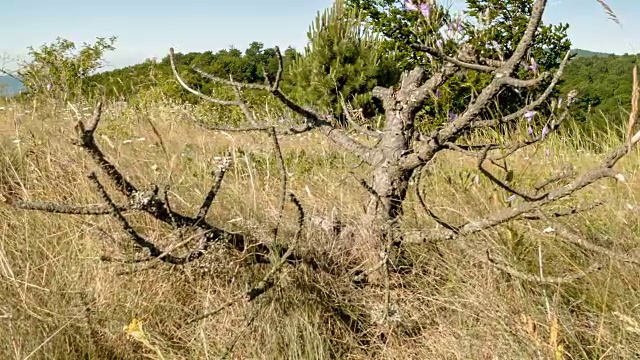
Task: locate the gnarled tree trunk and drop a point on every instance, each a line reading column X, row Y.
column 390, row 173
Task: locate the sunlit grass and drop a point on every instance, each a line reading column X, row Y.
column 449, row 304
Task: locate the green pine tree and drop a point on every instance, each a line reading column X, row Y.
column 342, row 59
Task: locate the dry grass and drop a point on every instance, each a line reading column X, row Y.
column 59, row 300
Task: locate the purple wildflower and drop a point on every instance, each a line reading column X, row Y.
column 530, row 130
column 437, row 93
column 529, row 115
column 545, row 131
column 511, row 198
column 409, row 5
column 425, row 8
column 457, row 24
column 452, row 116
column 559, row 102
column 439, row 44
column 534, row 65
column 493, row 45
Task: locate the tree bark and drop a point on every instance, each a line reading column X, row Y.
column 390, row 173
column 390, row 180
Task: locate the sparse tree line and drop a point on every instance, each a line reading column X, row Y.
column 353, row 47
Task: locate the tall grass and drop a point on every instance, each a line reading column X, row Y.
column 59, row 300
column 60, row 297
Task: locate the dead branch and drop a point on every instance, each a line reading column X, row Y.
column 531, row 208
column 453, row 60
column 313, row 119
column 504, row 267
column 283, row 180
column 86, row 140
column 64, row 209
column 424, row 151
column 218, row 175
column 154, row 260
column 597, row 173
column 482, row 158
column 568, row 172
column 426, row 209
column 156, row 204
column 167, row 206
column 571, row 236
column 134, row 236
column 268, row 281
column 534, row 104
column 568, row 212
column 348, row 110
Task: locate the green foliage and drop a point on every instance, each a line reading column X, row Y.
column 60, row 69
column 128, row 82
column 503, row 23
column 492, row 27
column 604, row 87
column 343, row 59
column 401, row 28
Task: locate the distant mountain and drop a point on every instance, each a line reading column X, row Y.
column 587, row 53
column 10, row 86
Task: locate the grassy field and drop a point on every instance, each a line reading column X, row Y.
column 60, row 299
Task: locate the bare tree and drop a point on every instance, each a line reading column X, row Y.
column 398, row 153
column 397, row 156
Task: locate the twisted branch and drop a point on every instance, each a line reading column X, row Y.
column 313, row 120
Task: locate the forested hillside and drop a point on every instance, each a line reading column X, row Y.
column 604, row 84
column 603, row 80
column 244, row 66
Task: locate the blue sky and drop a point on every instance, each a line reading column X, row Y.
column 148, row 28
